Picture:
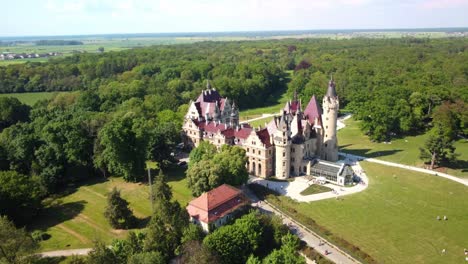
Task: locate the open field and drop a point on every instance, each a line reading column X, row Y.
column 30, row 98
column 76, row 219
column 404, row 150
column 394, row 220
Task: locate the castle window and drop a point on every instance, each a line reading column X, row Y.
column 219, row 141
column 284, row 163
column 326, row 126
column 326, row 144
column 305, row 169
column 248, row 149
column 293, row 159
column 293, row 150
column 284, row 154
column 269, row 152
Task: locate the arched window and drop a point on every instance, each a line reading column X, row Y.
column 305, row 169
column 260, row 169
column 253, row 168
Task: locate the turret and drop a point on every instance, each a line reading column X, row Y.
column 217, row 113
column 282, row 141
column 234, row 115
column 330, row 106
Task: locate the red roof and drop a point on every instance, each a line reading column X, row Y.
column 242, row 133
column 216, row 203
column 264, row 136
column 292, row 107
column 312, row 111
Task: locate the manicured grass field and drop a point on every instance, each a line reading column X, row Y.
column 404, row 150
column 315, row 188
column 76, row 219
column 30, row 98
column 394, row 220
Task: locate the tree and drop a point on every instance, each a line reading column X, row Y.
column 167, row 223
column 154, row 257
column 192, row 232
column 117, row 211
column 438, row 147
column 235, row 243
column 232, row 160
column 124, row 142
column 194, row 252
column 287, row 254
column 203, row 176
column 253, row 260
column 101, row 49
column 209, row 169
column 20, row 196
column 12, row 111
column 15, row 244
column 100, row 254
column 204, row 151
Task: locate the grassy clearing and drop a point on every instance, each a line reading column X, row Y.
column 315, row 188
column 394, row 220
column 31, row 98
column 261, row 122
column 76, row 219
column 404, row 150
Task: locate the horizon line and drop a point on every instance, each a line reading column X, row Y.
column 415, row 29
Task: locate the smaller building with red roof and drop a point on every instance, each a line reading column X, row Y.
column 212, row 209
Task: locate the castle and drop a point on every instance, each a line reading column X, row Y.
column 296, row 142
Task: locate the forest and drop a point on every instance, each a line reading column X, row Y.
column 127, row 107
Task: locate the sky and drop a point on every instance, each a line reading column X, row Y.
column 76, row 17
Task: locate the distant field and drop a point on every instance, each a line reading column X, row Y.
column 77, row 219
column 394, row 220
column 31, row 98
column 404, row 150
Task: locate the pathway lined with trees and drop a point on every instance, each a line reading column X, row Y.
column 311, row 238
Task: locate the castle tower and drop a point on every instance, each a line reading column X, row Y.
column 234, row 115
column 330, row 107
column 282, row 141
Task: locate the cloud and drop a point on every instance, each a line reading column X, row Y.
column 439, row 4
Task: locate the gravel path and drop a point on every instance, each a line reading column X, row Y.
column 67, row 252
column 311, row 238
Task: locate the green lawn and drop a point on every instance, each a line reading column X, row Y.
column 394, row 220
column 404, row 150
column 30, row 98
column 75, row 220
column 315, row 188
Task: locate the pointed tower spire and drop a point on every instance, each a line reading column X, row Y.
column 208, row 85
column 331, row 92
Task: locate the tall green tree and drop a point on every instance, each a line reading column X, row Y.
column 12, row 111
column 117, row 211
column 20, row 196
column 15, row 244
column 124, row 142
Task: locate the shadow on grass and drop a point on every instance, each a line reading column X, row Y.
column 56, row 213
column 73, row 186
column 457, row 165
column 369, row 153
column 142, row 222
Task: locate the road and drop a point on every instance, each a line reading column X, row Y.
column 398, row 165
column 311, row 238
column 67, row 252
column 257, row 118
